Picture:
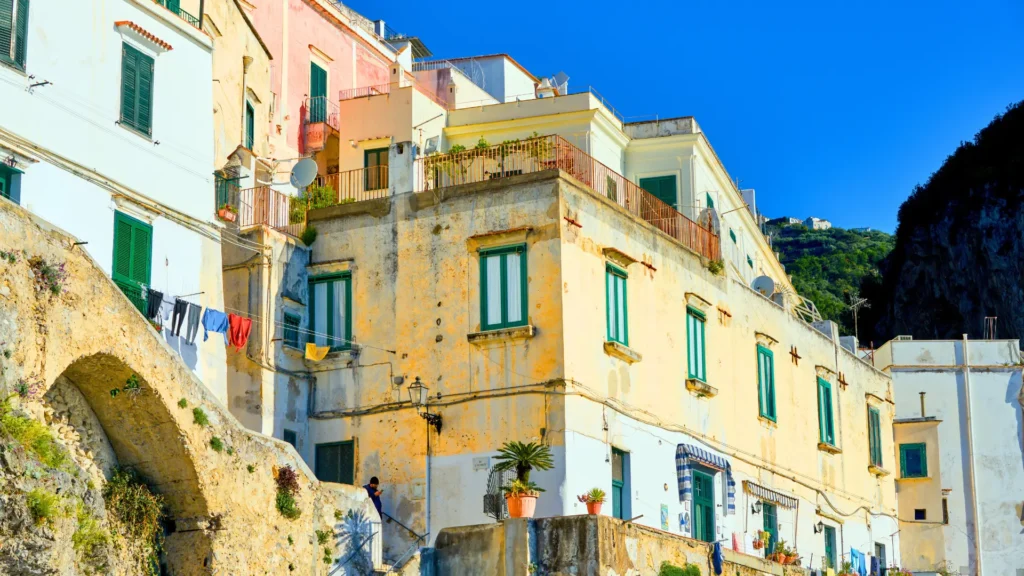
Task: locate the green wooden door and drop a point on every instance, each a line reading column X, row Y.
column 703, row 506
column 317, row 93
column 830, row 546
column 771, row 524
column 376, row 161
column 662, row 187
column 618, row 483
column 133, row 255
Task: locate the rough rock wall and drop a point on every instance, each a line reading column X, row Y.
column 960, row 240
column 216, row 477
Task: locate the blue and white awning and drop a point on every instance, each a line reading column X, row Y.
column 688, row 455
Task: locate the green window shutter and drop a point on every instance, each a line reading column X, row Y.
column 7, row 29
column 330, row 311
column 21, row 33
column 913, row 461
column 133, row 249
column 711, row 202
column 750, row 262
column 826, row 432
column 129, row 83
column 174, row 6
column 250, row 126
column 145, row 95
column 663, row 188
column 696, row 344
column 875, row 436
column 122, row 268
column 503, row 289
column 766, row 382
column 732, row 235
column 142, row 253
column 617, row 313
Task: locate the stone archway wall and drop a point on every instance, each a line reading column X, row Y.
column 225, row 519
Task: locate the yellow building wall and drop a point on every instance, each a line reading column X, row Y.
column 923, row 542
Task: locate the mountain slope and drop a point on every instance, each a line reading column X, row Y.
column 959, row 253
column 829, row 265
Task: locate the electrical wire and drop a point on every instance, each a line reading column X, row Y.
column 258, row 319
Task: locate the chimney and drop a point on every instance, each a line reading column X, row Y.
column 450, row 94
column 922, row 405
column 545, row 89
column 396, row 76
column 378, row 27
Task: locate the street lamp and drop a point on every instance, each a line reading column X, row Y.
column 756, row 507
column 418, row 398
column 819, row 527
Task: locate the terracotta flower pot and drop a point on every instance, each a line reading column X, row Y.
column 226, row 215
column 594, row 508
column 521, row 506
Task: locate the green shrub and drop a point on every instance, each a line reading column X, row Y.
column 182, row 403
column 89, row 537
column 251, row 468
column 132, row 505
column 308, row 235
column 673, row 570
column 33, row 435
column 290, row 541
column 323, row 536
column 327, row 556
column 286, row 505
column 199, row 416
column 44, row 506
column 716, row 267
column 217, row 444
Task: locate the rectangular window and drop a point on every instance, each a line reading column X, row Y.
column 750, row 263
column 290, row 437
column 617, row 314
column 620, row 476
column 766, row 382
column 133, row 256
column 13, row 32
column 376, row 163
column 10, row 182
column 695, row 351
column 913, row 461
column 830, row 546
column 663, row 188
column 611, row 188
column 291, row 330
column 703, row 506
column 330, row 310
column 317, row 94
column 250, row 126
column 733, row 236
column 920, row 514
column 945, row 511
column 503, row 295
column 826, row 431
column 711, row 201
column 136, row 90
column 336, row 462
column 875, row 436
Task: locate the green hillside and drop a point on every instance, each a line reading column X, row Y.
column 829, row 265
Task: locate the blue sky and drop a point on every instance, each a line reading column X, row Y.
column 831, row 109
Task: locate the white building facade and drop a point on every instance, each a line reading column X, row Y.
column 105, row 131
column 958, row 444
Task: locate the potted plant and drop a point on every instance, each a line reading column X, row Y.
column 521, row 494
column 847, row 569
column 779, row 554
column 593, row 500
column 227, row 213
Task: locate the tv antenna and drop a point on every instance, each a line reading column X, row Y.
column 856, row 303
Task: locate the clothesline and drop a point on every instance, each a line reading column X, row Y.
column 257, row 319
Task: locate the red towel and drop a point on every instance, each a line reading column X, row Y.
column 238, row 333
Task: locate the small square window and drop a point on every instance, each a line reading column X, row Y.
column 290, row 437
column 291, row 330
column 920, row 514
column 913, row 461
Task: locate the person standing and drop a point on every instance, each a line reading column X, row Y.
column 373, row 489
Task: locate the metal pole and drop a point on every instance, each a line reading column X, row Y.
column 202, row 4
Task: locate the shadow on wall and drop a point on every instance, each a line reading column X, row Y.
column 354, row 532
column 1014, row 391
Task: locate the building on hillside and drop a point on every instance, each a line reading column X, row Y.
column 817, row 223
column 958, row 444
column 105, row 132
column 785, row 221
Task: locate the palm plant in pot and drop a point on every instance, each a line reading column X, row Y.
column 593, row 500
column 521, row 494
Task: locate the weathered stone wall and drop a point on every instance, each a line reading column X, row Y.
column 581, row 546
column 220, row 503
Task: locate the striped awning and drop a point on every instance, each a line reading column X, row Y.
column 769, row 495
column 688, row 455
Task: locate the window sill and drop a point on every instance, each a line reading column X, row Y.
column 878, row 470
column 502, row 334
column 826, row 447
column 7, row 64
column 293, row 352
column 134, row 130
column 622, row 352
column 700, row 388
column 913, row 479
column 768, row 422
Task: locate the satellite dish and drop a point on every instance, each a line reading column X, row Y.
column 431, row 146
column 709, row 219
column 562, row 82
column 303, row 173
column 765, row 285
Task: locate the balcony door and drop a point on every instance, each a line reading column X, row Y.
column 376, row 163
column 317, row 94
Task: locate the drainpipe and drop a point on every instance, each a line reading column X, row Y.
column 970, row 460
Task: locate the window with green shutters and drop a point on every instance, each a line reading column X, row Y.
column 136, row 90
column 732, row 235
column 317, row 94
column 750, row 262
column 291, row 330
column 336, row 462
column 617, row 313
column 13, row 32
column 663, row 188
column 503, row 295
column 330, row 310
column 711, row 201
column 695, row 345
column 133, row 255
column 826, row 429
column 766, row 382
column 703, row 505
column 875, row 436
column 377, row 177
column 913, row 461
column 10, row 182
column 250, row 126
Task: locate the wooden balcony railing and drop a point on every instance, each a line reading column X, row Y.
column 550, row 152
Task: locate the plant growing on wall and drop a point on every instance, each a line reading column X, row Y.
column 669, row 569
column 135, row 514
column 716, row 267
column 287, row 487
column 308, row 235
column 523, row 458
column 49, row 277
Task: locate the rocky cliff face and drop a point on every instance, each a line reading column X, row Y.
column 959, row 254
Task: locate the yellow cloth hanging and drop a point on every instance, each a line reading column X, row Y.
column 316, row 353
column 830, row 572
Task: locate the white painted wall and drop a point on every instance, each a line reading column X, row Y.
column 83, row 159
column 935, row 367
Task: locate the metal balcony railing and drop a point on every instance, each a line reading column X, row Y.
column 135, row 293
column 264, row 206
column 364, row 91
column 356, row 185
column 554, row 152
column 320, row 109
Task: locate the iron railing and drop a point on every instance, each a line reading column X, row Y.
column 368, row 183
column 554, row 152
column 190, row 19
column 320, row 109
column 364, row 91
column 135, row 293
column 264, row 206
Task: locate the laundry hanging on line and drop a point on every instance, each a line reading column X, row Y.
column 238, row 333
column 214, row 321
column 316, row 353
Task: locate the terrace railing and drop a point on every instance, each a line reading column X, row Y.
column 551, row 152
column 368, row 183
column 321, row 109
column 264, row 206
column 364, row 91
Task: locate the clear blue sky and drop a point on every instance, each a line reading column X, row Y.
column 832, row 109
